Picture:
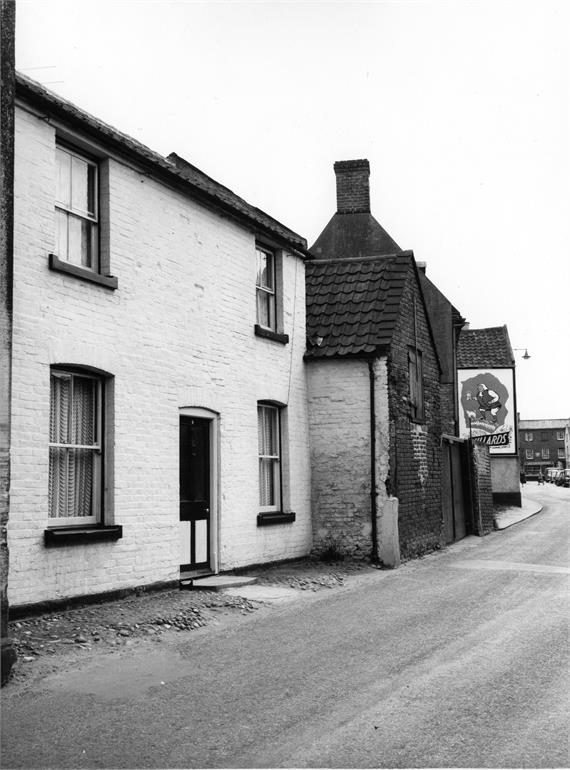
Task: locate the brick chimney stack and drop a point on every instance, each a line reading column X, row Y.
column 352, row 186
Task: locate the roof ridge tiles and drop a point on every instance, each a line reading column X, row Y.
column 370, row 258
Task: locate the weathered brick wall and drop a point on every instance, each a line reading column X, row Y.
column 415, row 473
column 178, row 332
column 482, row 489
column 441, row 316
column 7, row 45
column 340, row 429
column 352, row 186
column 339, row 416
column 447, row 401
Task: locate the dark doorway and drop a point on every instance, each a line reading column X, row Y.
column 454, row 499
column 194, row 493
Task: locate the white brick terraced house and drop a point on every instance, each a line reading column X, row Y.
column 159, row 408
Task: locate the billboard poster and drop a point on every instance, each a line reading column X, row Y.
column 487, row 409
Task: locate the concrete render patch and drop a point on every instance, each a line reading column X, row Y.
column 265, row 593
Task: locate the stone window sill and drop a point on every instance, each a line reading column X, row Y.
column 81, row 534
column 109, row 281
column 279, row 517
column 268, row 334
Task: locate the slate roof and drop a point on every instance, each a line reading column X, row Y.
column 353, row 304
column 357, row 234
column 484, row 348
column 173, row 170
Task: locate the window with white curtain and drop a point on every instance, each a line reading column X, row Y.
column 75, row 448
column 76, row 209
column 269, row 451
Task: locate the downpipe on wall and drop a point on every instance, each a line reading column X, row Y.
column 373, row 482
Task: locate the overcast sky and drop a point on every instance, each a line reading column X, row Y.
column 462, row 109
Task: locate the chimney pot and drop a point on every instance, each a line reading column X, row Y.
column 352, row 186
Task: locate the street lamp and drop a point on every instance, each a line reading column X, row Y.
column 526, row 355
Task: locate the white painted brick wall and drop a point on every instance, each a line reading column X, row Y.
column 178, row 332
column 339, row 417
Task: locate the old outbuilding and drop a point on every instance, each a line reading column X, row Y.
column 375, row 388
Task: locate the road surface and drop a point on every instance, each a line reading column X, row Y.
column 459, row 659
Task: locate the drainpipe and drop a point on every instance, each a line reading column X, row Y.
column 373, row 488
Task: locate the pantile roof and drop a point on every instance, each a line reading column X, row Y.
column 487, row 348
column 353, row 304
column 173, row 170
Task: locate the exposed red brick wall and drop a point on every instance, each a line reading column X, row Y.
column 352, row 186
column 482, row 491
column 415, row 472
column 447, row 400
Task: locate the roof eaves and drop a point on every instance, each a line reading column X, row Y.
column 31, row 91
column 377, row 351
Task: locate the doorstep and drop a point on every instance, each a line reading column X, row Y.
column 215, row 582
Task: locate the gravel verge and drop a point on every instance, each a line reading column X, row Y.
column 44, row 643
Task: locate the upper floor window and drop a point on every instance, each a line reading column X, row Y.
column 561, row 454
column 528, row 436
column 415, row 369
column 545, row 453
column 269, row 451
column 75, row 448
column 529, row 454
column 76, row 209
column 560, row 435
column 266, row 289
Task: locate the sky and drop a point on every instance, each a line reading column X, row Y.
column 462, row 109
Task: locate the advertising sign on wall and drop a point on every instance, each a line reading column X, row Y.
column 487, row 409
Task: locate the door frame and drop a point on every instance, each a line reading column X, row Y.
column 455, row 507
column 213, row 419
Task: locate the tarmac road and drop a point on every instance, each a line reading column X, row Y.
column 459, row 659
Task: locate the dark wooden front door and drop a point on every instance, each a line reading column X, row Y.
column 457, row 476
column 454, row 499
column 194, row 493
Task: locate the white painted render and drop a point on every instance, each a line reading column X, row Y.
column 177, row 333
column 505, row 475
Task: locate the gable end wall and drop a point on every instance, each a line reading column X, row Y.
column 415, row 465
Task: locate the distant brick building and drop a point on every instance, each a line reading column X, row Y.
column 543, row 444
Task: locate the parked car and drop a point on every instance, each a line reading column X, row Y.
column 550, row 474
column 563, row 478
